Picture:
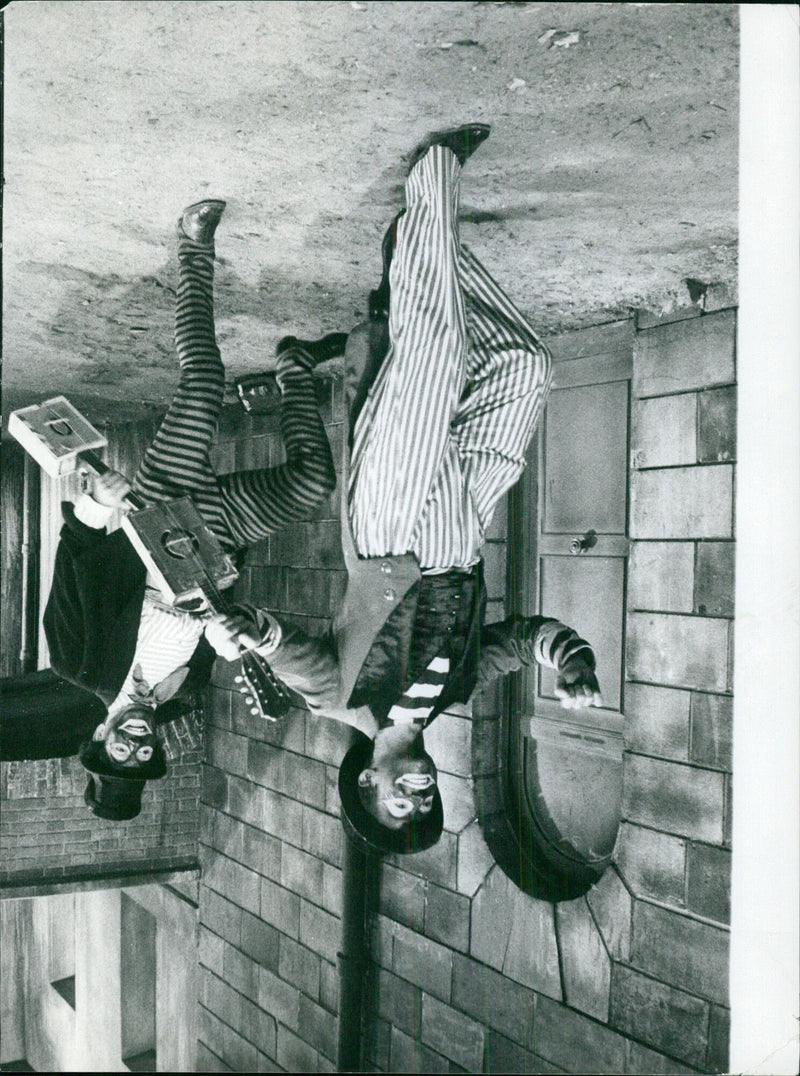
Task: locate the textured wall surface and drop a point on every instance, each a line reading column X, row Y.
column 270, row 836
column 47, row 833
column 468, row 973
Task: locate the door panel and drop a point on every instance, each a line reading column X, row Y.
column 570, row 562
column 586, row 594
column 585, row 459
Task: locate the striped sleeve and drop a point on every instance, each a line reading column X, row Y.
column 519, row 641
column 556, row 643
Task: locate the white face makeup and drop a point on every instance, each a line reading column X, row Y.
column 129, row 737
column 413, row 791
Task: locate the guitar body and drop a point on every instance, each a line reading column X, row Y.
column 179, row 550
column 55, row 434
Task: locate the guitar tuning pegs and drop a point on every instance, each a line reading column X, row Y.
column 255, row 711
column 238, row 679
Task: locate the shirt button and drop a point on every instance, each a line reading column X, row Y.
column 390, row 594
column 386, row 568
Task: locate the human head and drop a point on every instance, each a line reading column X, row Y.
column 128, row 736
column 390, row 800
column 122, row 756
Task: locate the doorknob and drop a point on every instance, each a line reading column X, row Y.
column 580, row 545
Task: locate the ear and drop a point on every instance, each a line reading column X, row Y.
column 366, row 778
column 170, row 685
column 100, row 731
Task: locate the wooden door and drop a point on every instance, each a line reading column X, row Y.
column 570, row 559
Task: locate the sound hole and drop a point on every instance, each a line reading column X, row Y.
column 61, row 427
column 180, row 544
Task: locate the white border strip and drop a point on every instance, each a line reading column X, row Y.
column 765, row 940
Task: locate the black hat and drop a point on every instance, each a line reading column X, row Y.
column 415, row 836
column 114, row 798
column 114, row 791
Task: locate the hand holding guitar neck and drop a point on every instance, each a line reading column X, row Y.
column 105, row 485
column 110, row 489
column 231, row 635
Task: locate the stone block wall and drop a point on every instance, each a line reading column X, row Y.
column 473, row 975
column 674, row 849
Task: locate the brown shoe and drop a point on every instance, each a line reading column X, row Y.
column 463, row 141
column 199, row 221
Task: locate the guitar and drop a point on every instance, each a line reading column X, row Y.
column 264, row 693
column 191, row 568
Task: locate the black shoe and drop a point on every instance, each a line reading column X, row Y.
column 329, row 347
column 379, row 298
column 463, row 141
column 199, row 221
column 259, row 393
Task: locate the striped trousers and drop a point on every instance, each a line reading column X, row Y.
column 444, row 430
column 242, row 507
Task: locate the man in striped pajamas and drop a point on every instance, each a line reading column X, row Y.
column 441, row 436
column 107, row 628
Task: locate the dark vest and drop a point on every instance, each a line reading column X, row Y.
column 440, row 615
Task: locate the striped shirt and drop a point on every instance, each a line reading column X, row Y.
column 445, row 427
column 167, row 639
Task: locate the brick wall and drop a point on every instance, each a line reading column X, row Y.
column 47, row 833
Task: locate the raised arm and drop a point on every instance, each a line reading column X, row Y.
column 519, row 641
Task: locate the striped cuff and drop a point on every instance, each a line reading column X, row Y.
column 91, row 513
column 264, row 624
column 556, row 644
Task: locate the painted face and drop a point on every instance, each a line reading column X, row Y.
column 403, row 788
column 413, row 794
column 128, row 736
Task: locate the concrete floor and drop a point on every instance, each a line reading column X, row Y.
column 610, row 176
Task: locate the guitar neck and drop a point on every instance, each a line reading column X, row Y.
column 266, row 695
column 94, row 463
column 218, row 601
